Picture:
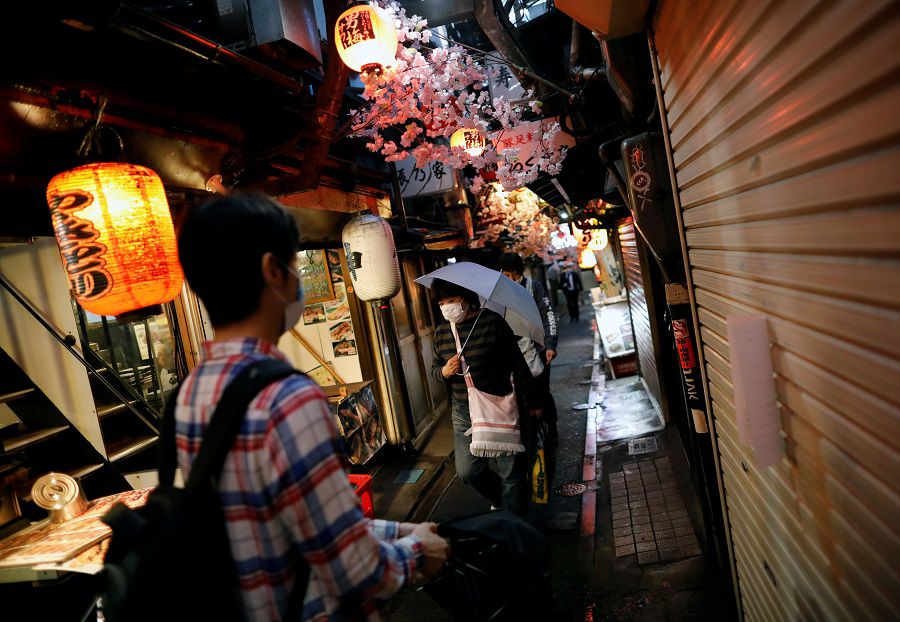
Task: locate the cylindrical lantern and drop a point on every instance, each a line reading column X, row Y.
column 366, row 39
column 371, row 257
column 469, row 138
column 115, row 234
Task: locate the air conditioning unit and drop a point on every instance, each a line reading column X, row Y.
column 286, row 29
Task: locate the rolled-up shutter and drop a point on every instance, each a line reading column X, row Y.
column 784, row 123
column 640, row 316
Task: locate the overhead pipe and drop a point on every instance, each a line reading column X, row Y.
column 613, row 77
column 136, row 22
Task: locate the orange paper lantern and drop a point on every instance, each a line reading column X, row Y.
column 469, row 138
column 365, row 38
column 116, row 237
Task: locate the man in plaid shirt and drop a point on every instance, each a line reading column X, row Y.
column 284, row 489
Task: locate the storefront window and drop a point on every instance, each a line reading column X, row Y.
column 142, row 353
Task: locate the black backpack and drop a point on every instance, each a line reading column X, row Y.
column 171, row 559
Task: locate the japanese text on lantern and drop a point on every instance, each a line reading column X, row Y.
column 355, row 28
column 474, row 140
column 82, row 253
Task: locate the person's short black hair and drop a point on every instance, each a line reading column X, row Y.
column 441, row 290
column 512, row 262
column 221, row 244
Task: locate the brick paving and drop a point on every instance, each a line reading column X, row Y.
column 649, row 516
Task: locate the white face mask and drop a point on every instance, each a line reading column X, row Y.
column 294, row 309
column 454, row 312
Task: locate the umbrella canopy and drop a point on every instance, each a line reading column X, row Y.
column 497, row 292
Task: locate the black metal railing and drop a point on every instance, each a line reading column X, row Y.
column 69, row 342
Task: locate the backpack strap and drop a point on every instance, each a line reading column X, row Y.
column 217, row 441
column 226, row 420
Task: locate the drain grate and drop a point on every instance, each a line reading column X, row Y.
column 643, row 446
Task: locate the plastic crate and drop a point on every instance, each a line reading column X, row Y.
column 362, row 486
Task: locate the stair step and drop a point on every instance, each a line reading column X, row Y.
column 112, row 409
column 14, row 395
column 122, row 448
column 85, row 470
column 26, row 439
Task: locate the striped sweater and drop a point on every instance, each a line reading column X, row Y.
column 492, row 354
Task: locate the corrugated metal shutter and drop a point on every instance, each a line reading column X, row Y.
column 784, row 121
column 640, row 317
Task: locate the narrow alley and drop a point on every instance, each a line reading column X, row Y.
column 630, row 548
column 275, row 291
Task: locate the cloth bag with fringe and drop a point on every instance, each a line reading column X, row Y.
column 495, row 418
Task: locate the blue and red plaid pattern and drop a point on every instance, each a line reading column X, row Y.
column 285, row 493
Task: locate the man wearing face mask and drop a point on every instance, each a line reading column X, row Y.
column 492, row 357
column 285, row 495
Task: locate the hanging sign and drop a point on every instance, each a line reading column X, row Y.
column 528, row 139
column 433, row 178
column 504, row 83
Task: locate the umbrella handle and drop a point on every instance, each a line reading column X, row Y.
column 471, row 330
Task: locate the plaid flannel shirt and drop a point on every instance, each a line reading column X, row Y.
column 285, row 493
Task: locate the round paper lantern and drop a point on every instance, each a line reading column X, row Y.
column 371, row 257
column 469, row 138
column 366, row 39
column 115, row 234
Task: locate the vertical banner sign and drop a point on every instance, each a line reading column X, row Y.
column 682, row 329
column 690, row 373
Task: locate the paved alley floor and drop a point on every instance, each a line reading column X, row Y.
column 615, row 552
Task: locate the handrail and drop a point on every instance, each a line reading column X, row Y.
column 69, row 341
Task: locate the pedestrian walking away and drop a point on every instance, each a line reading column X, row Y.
column 513, row 266
column 571, row 286
column 477, row 355
column 284, row 491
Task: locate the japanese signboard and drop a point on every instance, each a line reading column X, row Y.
column 504, row 83
column 432, row 178
column 527, row 138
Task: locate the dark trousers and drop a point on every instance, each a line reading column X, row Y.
column 549, row 405
column 573, row 301
column 502, row 480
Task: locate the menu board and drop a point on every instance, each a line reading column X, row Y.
column 317, row 285
column 327, row 325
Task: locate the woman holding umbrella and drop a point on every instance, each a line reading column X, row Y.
column 477, row 355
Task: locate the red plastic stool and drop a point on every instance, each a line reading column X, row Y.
column 362, row 486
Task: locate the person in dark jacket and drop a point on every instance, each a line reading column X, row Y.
column 571, row 286
column 512, row 266
column 492, row 357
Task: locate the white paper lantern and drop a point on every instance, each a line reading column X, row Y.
column 371, row 257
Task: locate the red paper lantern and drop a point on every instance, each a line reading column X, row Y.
column 116, row 237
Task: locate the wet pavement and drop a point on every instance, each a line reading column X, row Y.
column 632, row 501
